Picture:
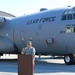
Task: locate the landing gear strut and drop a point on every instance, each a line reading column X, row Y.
column 69, row 59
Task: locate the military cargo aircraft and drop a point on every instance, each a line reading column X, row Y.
column 51, row 32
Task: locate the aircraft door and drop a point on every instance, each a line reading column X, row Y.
column 19, row 38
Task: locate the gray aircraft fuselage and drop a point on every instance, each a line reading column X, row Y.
column 45, row 29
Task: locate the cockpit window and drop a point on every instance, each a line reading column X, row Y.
column 74, row 14
column 68, row 15
column 64, row 16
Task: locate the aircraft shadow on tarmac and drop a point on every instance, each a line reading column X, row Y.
column 41, row 66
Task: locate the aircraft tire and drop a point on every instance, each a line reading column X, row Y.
column 68, row 59
column 1, row 54
column 74, row 59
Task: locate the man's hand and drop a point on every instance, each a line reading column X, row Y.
column 22, row 52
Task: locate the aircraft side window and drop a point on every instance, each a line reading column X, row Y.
column 73, row 28
column 68, row 29
column 64, row 16
column 69, row 16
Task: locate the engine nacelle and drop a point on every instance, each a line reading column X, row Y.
column 6, row 45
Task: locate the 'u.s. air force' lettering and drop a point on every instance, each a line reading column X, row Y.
column 46, row 19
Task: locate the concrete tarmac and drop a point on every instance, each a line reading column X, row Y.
column 43, row 66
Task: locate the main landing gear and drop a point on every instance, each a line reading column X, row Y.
column 69, row 59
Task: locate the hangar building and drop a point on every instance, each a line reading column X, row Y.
column 5, row 14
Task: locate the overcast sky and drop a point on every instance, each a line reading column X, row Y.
column 21, row 7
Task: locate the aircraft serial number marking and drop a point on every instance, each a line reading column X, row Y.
column 62, row 31
column 46, row 19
